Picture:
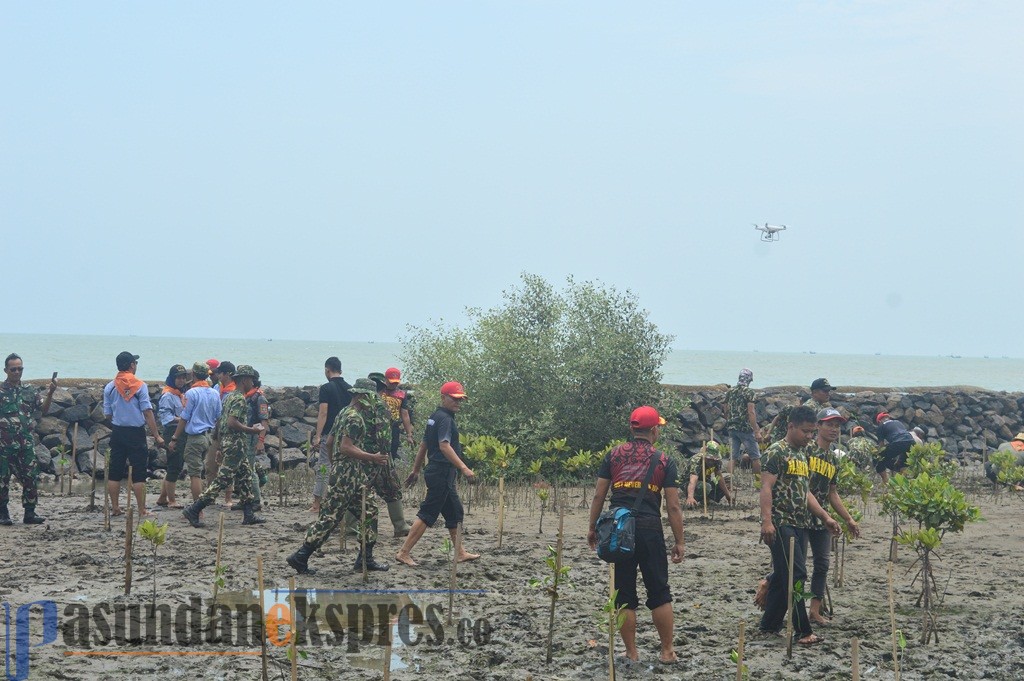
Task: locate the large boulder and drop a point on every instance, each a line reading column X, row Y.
column 292, row 457
column 292, row 407
column 48, row 425
column 83, row 442
column 43, row 457
column 295, row 434
column 78, row 412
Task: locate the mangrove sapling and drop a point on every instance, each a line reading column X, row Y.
column 559, row 576
column 447, row 549
column 543, row 492
column 612, row 617
column 156, row 535
column 61, row 465
column 1007, row 471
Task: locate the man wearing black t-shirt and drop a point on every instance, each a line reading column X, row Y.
column 441, row 448
column 334, row 396
column 624, row 470
column 897, row 440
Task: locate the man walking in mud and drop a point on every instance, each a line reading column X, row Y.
column 741, row 421
column 17, row 455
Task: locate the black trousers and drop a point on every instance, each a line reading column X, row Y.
column 775, row 604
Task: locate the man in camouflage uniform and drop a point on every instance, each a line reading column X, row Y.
column 786, row 509
column 17, row 455
column 707, row 465
column 258, row 412
column 741, row 421
column 821, row 391
column 234, row 444
column 358, row 443
column 861, row 449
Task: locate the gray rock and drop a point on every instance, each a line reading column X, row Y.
column 83, row 442
column 56, row 440
column 292, row 406
column 97, row 413
column 44, row 458
column 49, row 425
column 295, row 433
column 292, row 457
column 62, row 397
column 78, row 412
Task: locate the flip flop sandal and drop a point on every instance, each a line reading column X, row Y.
column 816, row 640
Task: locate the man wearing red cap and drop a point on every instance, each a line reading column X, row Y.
column 624, row 470
column 440, row 446
column 397, row 402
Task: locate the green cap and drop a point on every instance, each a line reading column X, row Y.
column 200, row 369
column 364, row 386
column 244, row 370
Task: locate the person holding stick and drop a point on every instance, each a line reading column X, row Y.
column 358, row 441
column 235, row 444
column 624, row 471
column 821, row 461
column 786, row 508
column 168, row 413
column 17, row 455
column 705, row 478
column 197, row 422
column 441, row 448
column 127, row 405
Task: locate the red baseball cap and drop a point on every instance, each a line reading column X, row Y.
column 452, row 389
column 393, row 375
column 212, row 363
column 644, row 418
column 881, row 415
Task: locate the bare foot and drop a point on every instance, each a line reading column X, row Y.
column 762, row 594
column 116, row 511
column 819, row 620
column 466, row 557
column 314, row 510
column 405, row 559
column 669, row 659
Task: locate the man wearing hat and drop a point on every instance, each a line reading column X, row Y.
column 397, row 401
column 197, row 423
column 741, row 421
column 234, row 443
column 443, row 453
column 168, row 413
column 357, row 441
column 896, row 441
column 821, row 392
column 624, row 471
column 822, row 464
column 126, row 403
column 705, row 477
column 18, row 403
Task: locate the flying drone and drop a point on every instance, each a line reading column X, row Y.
column 769, row 232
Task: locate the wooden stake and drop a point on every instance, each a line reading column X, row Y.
column 295, row 629
column 612, row 621
column 131, row 489
column 106, row 492
column 362, row 538
column 263, row 617
column 280, row 468
column 855, row 654
column 309, row 453
column 216, row 569
column 892, row 624
column 789, row 619
column 704, row 477
column 92, row 494
column 739, row 652
column 501, row 508
column 74, row 456
column 454, row 578
column 128, row 536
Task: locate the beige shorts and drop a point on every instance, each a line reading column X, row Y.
column 195, row 453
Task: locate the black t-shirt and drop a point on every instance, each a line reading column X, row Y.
column 893, row 432
column 441, row 427
column 336, row 396
column 627, row 465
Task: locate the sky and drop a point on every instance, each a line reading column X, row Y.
column 338, row 171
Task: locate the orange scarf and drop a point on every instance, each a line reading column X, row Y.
column 175, row 391
column 200, row 384
column 127, row 385
column 251, row 393
column 225, row 389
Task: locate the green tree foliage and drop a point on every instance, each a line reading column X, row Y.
column 546, row 363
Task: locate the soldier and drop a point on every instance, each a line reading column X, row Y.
column 861, row 449
column 17, row 455
column 709, row 467
column 234, row 443
column 821, row 391
column 258, row 412
column 358, row 443
column 741, row 420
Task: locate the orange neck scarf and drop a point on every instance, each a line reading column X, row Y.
column 175, row 391
column 127, row 385
column 251, row 393
column 225, row 389
column 201, row 384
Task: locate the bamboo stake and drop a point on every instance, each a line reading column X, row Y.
column 611, row 624
column 263, row 617
column 131, row 489
column 789, row 619
column 280, row 468
column 106, row 492
column 295, row 629
column 92, row 494
column 454, row 578
column 892, row 624
column 216, row 569
column 501, row 508
column 855, row 654
column 128, row 536
column 739, row 652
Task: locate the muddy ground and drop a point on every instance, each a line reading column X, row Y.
column 74, row 561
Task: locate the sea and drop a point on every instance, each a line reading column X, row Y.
column 300, row 362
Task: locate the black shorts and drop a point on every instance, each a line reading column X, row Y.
column 128, row 447
column 893, row 457
column 442, row 497
column 651, row 558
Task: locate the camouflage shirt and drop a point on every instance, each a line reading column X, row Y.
column 815, row 406
column 789, row 493
column 823, row 468
column 781, row 423
column 17, row 403
column 366, row 431
column 736, row 400
column 235, row 405
column 713, row 467
column 862, row 451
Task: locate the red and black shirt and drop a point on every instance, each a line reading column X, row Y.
column 627, row 465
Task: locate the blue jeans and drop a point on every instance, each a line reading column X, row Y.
column 748, row 441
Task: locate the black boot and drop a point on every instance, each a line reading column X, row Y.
column 250, row 517
column 31, row 518
column 371, row 564
column 5, row 518
column 192, row 511
column 299, row 559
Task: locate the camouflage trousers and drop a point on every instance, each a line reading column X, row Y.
column 254, row 469
column 384, row 481
column 235, row 468
column 344, row 494
column 18, row 457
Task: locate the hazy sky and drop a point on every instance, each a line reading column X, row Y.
column 337, row 170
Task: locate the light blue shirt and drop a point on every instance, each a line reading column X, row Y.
column 168, row 409
column 126, row 412
column 202, row 409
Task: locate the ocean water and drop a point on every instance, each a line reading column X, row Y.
column 297, row 363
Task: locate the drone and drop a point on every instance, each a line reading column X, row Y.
column 769, row 232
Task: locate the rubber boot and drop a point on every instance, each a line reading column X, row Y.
column 250, row 517
column 192, row 511
column 5, row 517
column 300, row 559
column 397, row 514
column 371, row 564
column 31, row 518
